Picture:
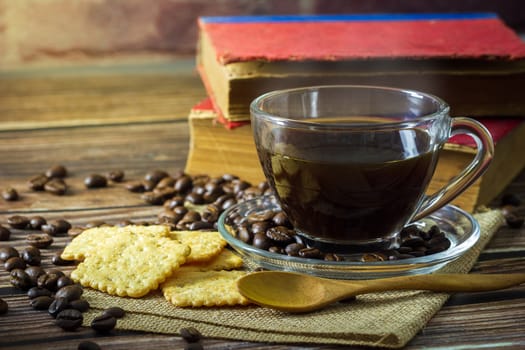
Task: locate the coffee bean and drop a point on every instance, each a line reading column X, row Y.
column 293, row 249
column 36, row 222
column 155, row 175
column 69, row 292
column 200, row 225
column 190, row 334
column 10, row 194
column 41, row 302
column 310, row 253
column 149, row 185
column 153, row 198
column 48, row 281
column 116, row 175
column 69, row 319
column 15, row 262
column 56, row 186
column 18, row 221
column 31, row 256
column 55, row 228
column 279, row 234
column 135, row 186
column 88, row 345
column 183, row 184
column 56, row 259
column 64, row 281
column 58, row 305
column 333, row 257
column 34, row 272
column 20, row 279
column 104, row 323
column 56, row 171
column 4, row 307
column 35, row 292
column 81, row 305
column 115, row 311
column 261, row 241
column 39, row 240
column 95, row 181
column 5, row 233
column 244, row 234
column 37, row 182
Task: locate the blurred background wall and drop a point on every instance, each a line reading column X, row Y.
column 42, row 32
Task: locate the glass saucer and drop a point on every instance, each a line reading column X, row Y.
column 459, row 226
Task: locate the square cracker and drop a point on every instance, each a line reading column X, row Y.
column 210, row 288
column 205, row 245
column 93, row 240
column 133, row 266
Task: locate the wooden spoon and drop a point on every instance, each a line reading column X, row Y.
column 294, row 292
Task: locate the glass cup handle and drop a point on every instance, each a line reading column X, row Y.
column 480, row 163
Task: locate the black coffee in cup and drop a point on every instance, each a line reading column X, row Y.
column 340, row 188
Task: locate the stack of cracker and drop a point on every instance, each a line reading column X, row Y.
column 192, row 268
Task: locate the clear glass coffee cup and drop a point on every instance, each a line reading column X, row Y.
column 350, row 165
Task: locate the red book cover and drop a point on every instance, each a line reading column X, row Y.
column 349, row 37
column 481, row 43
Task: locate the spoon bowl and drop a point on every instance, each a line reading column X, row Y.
column 294, row 292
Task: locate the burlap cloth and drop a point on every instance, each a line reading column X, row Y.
column 387, row 319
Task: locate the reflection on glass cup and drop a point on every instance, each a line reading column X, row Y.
column 351, row 164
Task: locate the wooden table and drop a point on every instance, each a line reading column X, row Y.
column 133, row 117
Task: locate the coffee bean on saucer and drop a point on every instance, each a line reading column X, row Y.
column 10, row 194
column 95, row 181
column 69, row 319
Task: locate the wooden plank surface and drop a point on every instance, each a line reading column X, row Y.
column 494, row 320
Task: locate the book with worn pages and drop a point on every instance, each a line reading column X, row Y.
column 216, row 150
column 471, row 60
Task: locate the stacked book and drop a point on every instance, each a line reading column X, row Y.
column 471, row 60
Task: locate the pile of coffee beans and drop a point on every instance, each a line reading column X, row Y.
column 272, row 231
column 52, row 290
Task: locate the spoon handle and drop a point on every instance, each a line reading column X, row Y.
column 446, row 282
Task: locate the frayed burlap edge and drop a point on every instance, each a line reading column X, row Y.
column 388, row 319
